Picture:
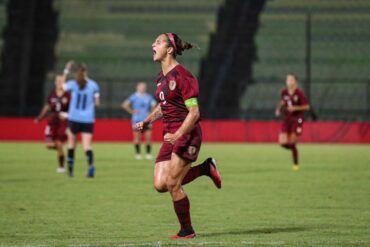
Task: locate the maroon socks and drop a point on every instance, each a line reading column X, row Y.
column 182, row 209
column 195, row 172
column 293, row 147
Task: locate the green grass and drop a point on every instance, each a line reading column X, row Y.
column 262, row 202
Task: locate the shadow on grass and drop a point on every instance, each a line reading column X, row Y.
column 269, row 230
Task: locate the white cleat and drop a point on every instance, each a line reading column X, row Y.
column 149, row 157
column 60, row 170
column 138, row 157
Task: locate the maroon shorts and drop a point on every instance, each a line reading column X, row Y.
column 187, row 147
column 56, row 131
column 294, row 125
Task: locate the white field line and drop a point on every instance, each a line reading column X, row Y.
column 216, row 243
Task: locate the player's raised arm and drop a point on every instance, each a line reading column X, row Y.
column 67, row 70
column 42, row 113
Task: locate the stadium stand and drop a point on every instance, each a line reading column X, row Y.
column 340, row 77
column 114, row 38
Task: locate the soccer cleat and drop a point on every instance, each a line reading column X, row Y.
column 138, row 157
column 148, row 157
column 60, row 170
column 295, row 168
column 213, row 172
column 184, row 234
column 91, row 171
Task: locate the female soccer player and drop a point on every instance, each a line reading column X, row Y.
column 55, row 131
column 81, row 115
column 292, row 105
column 139, row 105
column 177, row 92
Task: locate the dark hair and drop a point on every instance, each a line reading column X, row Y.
column 82, row 66
column 180, row 44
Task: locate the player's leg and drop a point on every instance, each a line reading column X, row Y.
column 50, row 144
column 161, row 171
column 72, row 141
column 60, row 152
column 206, row 168
column 178, row 170
column 136, row 140
column 86, row 139
column 148, row 143
column 293, row 143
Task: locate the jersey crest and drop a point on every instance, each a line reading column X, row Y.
column 172, row 85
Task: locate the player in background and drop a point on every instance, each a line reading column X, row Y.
column 292, row 104
column 139, row 105
column 177, row 91
column 85, row 97
column 55, row 130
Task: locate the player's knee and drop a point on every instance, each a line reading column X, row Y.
column 172, row 185
column 160, row 187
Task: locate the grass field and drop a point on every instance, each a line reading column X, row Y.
column 262, row 203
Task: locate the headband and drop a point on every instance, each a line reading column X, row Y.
column 172, row 40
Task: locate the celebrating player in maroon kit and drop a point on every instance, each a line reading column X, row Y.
column 292, row 105
column 55, row 131
column 177, row 91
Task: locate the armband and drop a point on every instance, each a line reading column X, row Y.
column 191, row 102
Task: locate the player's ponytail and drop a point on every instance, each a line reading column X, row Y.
column 179, row 45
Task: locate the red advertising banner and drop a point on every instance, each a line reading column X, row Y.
column 24, row 129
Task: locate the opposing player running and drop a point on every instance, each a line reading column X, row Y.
column 57, row 107
column 177, row 91
column 292, row 104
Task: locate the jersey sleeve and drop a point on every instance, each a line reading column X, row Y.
column 302, row 98
column 131, row 99
column 68, row 86
column 189, row 88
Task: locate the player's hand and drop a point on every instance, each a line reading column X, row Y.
column 277, row 112
column 36, row 120
column 171, row 138
column 291, row 108
column 69, row 65
column 140, row 126
column 63, row 115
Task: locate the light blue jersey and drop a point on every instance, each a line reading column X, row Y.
column 142, row 103
column 82, row 105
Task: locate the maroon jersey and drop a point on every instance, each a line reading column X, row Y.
column 57, row 104
column 173, row 90
column 296, row 99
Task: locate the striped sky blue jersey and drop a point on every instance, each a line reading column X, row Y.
column 82, row 105
column 142, row 104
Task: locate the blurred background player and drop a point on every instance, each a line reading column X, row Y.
column 178, row 91
column 85, row 97
column 292, row 104
column 55, row 130
column 139, row 105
